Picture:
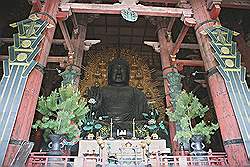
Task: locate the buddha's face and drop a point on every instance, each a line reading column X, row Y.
column 119, row 75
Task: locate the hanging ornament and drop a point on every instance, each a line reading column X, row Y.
column 129, row 15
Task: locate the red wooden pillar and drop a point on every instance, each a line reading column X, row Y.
column 165, row 46
column 24, row 120
column 227, row 121
column 79, row 43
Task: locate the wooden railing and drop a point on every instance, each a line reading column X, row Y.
column 213, row 159
column 40, row 159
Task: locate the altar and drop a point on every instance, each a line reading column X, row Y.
column 124, row 151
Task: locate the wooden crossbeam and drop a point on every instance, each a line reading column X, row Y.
column 51, row 59
column 156, row 1
column 63, row 59
column 238, row 4
column 193, row 63
column 55, row 41
column 62, row 41
column 66, row 36
column 179, row 40
column 243, row 4
column 171, row 24
column 116, row 9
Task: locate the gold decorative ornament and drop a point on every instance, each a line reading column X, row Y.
column 33, row 17
column 225, row 50
column 90, row 136
column 21, row 56
column 143, row 144
column 26, row 43
column 229, row 63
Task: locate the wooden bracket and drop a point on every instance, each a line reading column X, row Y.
column 128, row 2
column 214, row 8
column 188, row 19
column 61, row 16
column 154, row 45
column 89, row 43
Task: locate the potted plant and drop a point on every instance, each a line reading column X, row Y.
column 62, row 114
column 187, row 109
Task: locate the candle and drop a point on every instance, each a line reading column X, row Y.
column 111, row 129
column 133, row 129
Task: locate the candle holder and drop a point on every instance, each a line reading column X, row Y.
column 111, row 130
column 143, row 145
column 133, row 124
column 101, row 144
column 148, row 142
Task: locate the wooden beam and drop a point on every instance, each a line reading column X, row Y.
column 116, row 9
column 238, row 4
column 62, row 41
column 215, row 11
column 51, row 59
column 63, row 60
column 161, row 1
column 80, row 46
column 66, row 36
column 54, row 41
column 179, row 40
column 154, row 1
column 171, row 24
column 75, row 25
column 190, row 46
column 192, row 63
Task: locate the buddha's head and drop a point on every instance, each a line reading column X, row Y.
column 118, row 72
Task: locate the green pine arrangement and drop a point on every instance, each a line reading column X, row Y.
column 63, row 112
column 188, row 108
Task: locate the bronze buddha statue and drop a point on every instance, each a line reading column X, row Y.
column 118, row 100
